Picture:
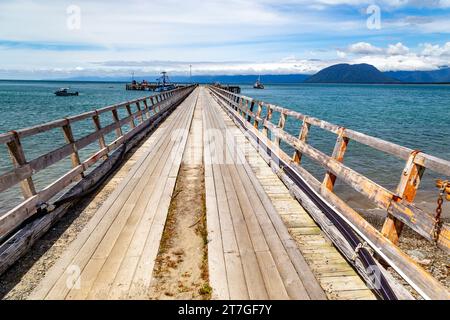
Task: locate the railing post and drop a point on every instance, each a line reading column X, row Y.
column 17, row 155
column 132, row 124
column 252, row 106
column 147, row 110
column 245, row 109
column 303, row 136
column 68, row 136
column 98, row 127
column 406, row 190
column 153, row 105
column 338, row 153
column 141, row 116
column 258, row 115
column 158, row 100
column 116, row 118
column 281, row 124
column 265, row 130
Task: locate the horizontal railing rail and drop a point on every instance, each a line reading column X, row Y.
column 148, row 109
column 399, row 206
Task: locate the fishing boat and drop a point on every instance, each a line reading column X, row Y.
column 164, row 83
column 64, row 92
column 258, row 84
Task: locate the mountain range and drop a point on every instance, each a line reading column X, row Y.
column 346, row 73
column 340, row 73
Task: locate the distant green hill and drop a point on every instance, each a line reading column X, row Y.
column 346, row 73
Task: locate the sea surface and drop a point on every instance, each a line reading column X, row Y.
column 415, row 116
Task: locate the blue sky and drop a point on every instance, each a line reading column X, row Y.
column 56, row 39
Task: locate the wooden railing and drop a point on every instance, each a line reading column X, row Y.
column 148, row 109
column 400, row 208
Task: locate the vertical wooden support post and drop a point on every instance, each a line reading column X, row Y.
column 68, row 136
column 116, row 118
column 338, row 153
column 141, row 116
column 98, row 127
column 245, row 106
column 265, row 130
column 132, row 124
column 147, row 110
column 281, row 124
column 158, row 103
column 252, row 107
column 152, row 99
column 18, row 159
column 406, row 190
column 303, row 136
column 257, row 116
column 245, row 109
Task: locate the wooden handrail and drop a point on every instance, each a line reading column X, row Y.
column 398, row 205
column 24, row 169
column 425, row 284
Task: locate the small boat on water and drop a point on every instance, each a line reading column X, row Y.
column 64, row 92
column 258, row 84
column 164, row 83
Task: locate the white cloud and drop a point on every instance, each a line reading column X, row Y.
column 436, row 50
column 398, row 56
column 397, row 49
column 341, row 54
column 398, row 63
column 363, row 48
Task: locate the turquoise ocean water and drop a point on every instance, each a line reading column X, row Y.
column 411, row 115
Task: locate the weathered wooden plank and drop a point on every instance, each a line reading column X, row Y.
column 105, row 215
column 116, row 119
column 303, row 136
column 407, row 190
column 338, row 154
column 216, row 260
column 27, row 208
column 253, row 208
column 420, row 221
column 423, row 282
column 98, row 127
column 68, row 137
column 428, row 161
column 18, row 159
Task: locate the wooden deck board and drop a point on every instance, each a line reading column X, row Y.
column 98, row 252
column 261, row 243
column 273, row 272
column 324, row 259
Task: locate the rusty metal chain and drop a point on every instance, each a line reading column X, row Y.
column 440, row 201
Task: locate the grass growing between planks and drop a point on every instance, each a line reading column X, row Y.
column 205, row 290
column 181, row 267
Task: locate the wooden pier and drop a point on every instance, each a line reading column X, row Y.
column 148, row 86
column 273, row 230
